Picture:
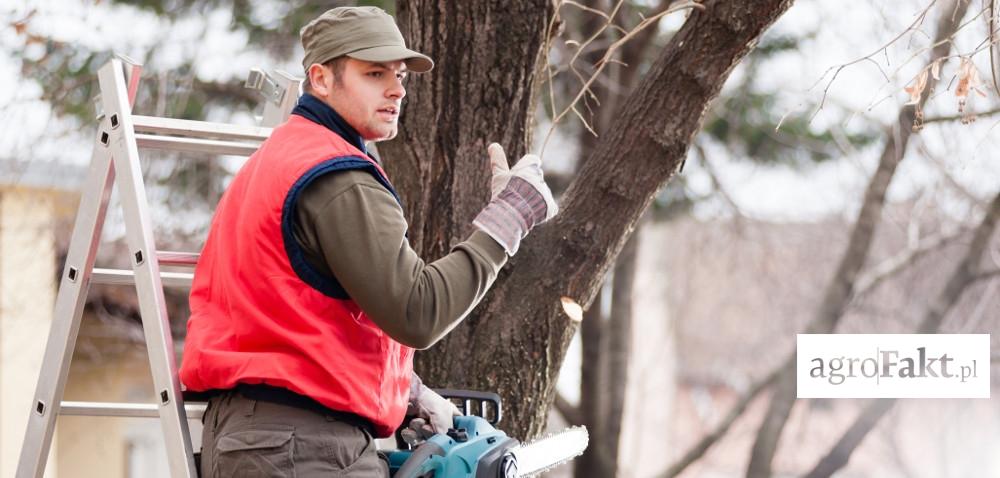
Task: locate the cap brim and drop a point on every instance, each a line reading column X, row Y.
column 415, row 62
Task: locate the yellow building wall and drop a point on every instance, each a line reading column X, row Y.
column 27, row 297
column 107, row 366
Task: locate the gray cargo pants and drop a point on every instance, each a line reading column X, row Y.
column 250, row 438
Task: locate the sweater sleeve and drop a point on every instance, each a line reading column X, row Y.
column 353, row 228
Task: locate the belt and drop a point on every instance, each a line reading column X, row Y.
column 284, row 396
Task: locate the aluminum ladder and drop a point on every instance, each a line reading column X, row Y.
column 115, row 160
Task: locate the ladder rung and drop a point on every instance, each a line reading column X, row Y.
column 110, row 409
column 196, row 145
column 198, row 129
column 168, row 258
column 126, row 277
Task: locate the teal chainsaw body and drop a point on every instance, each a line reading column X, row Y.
column 473, row 449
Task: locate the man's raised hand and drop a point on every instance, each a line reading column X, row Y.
column 520, row 199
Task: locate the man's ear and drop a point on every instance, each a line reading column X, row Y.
column 317, row 76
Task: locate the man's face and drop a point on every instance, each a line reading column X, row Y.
column 368, row 96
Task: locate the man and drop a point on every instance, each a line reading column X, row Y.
column 307, row 300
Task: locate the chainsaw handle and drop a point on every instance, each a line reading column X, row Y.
column 470, row 402
column 414, row 464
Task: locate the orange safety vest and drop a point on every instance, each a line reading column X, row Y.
column 260, row 314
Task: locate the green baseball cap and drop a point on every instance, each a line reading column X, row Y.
column 363, row 33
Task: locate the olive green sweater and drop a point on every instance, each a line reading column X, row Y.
column 351, row 227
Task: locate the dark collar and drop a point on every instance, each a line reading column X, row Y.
column 315, row 110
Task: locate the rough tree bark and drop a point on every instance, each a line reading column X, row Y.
column 964, row 275
column 482, row 90
column 606, row 361
column 841, row 288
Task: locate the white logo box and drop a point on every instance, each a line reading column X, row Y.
column 893, row 365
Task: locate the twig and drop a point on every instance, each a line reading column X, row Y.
column 986, row 275
column 716, row 184
column 949, row 39
column 837, row 69
column 604, row 61
column 913, row 27
column 950, row 178
column 898, row 263
column 569, row 412
column 995, row 51
column 699, row 449
column 942, row 119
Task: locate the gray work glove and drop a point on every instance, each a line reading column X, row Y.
column 438, row 412
column 520, row 199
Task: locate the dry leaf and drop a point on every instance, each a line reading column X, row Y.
column 968, row 80
column 21, row 25
column 917, row 88
column 936, row 69
column 572, row 309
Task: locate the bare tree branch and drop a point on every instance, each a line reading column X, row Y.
column 949, row 177
column 994, row 20
column 585, row 89
column 900, row 262
column 986, row 275
column 948, row 118
column 569, row 413
column 619, row 345
column 714, row 177
column 960, row 280
column 841, row 287
column 838, row 456
column 699, row 449
column 837, row 69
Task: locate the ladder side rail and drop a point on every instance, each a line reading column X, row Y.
column 74, row 284
column 152, row 304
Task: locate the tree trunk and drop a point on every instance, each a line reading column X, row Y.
column 619, row 332
column 591, row 391
column 482, row 90
column 840, row 289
